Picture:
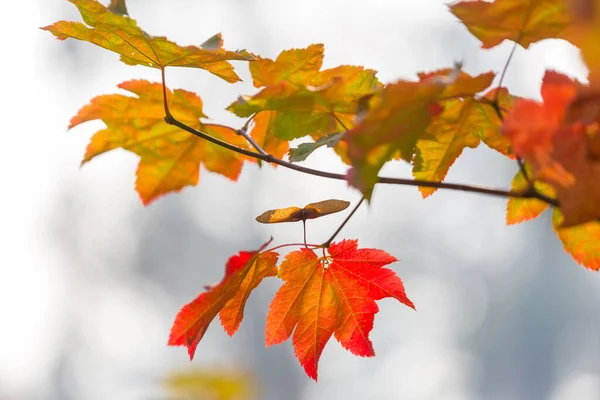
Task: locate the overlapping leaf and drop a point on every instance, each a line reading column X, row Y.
column 522, row 21
column 243, row 273
column 398, row 116
column 582, row 242
column 494, row 138
column 520, row 210
column 170, row 158
column 562, row 153
column 108, row 28
column 333, row 295
column 310, row 211
column 576, row 153
column 303, row 150
column 463, row 123
column 262, row 133
column 584, row 33
column 300, row 99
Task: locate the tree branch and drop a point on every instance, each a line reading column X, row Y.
column 338, row 230
column 527, row 194
column 244, row 132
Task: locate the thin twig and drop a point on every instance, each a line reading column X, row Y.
column 524, row 171
column 527, row 194
column 503, row 74
column 314, row 246
column 496, row 105
column 304, row 230
column 328, row 242
column 243, row 132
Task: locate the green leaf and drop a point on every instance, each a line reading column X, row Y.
column 305, row 149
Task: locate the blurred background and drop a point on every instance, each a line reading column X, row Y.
column 90, row 280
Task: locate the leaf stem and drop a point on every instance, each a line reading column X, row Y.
column 496, row 105
column 338, row 230
column 243, row 131
column 503, row 74
column 314, row 246
column 304, row 230
column 527, row 194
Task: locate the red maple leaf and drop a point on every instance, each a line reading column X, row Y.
column 243, row 273
column 331, row 295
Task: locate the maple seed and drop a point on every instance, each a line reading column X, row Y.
column 310, row 211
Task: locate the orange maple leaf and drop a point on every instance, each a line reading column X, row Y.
column 398, row 116
column 464, row 122
column 522, row 21
column 560, row 152
column 110, row 29
column 579, row 201
column 582, row 242
column 531, row 125
column 520, row 210
column 262, row 133
column 301, row 100
column 243, row 273
column 170, row 158
column 331, row 295
column 584, row 33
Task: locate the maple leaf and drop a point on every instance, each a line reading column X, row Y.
column 170, row 158
column 494, row 138
column 310, row 211
column 243, row 273
column 530, row 126
column 300, row 99
column 584, row 33
column 561, row 153
column 579, row 201
column 522, row 21
column 463, row 123
column 113, row 30
column 519, row 209
column 582, row 242
column 262, row 134
column 398, row 116
column 448, row 134
column 331, row 295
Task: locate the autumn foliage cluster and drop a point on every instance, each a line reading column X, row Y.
column 331, row 289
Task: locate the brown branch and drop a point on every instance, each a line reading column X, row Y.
column 339, row 229
column 527, row 194
column 496, row 105
column 243, row 132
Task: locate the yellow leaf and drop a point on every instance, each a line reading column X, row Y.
column 456, row 128
column 582, row 242
column 170, row 158
column 522, row 21
column 109, row 29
